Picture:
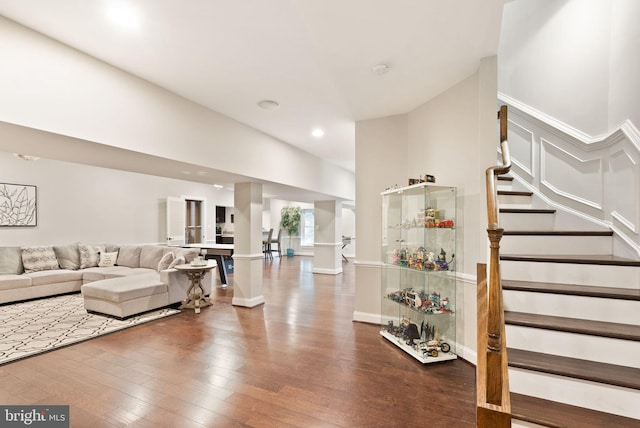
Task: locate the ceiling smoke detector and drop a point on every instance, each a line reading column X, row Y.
column 268, row 104
column 380, row 69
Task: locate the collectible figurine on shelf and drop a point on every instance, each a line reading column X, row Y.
column 390, row 327
column 411, row 334
column 431, row 217
column 442, row 262
column 430, row 264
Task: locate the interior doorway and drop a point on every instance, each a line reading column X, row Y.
column 194, row 216
column 186, row 220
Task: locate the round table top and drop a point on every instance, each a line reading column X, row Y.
column 188, row 266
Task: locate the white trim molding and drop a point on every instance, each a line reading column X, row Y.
column 327, row 271
column 255, row 256
column 596, row 178
column 248, row 303
column 366, row 317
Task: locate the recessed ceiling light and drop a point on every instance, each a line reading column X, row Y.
column 380, row 69
column 218, row 186
column 268, row 104
column 123, row 15
column 317, row 133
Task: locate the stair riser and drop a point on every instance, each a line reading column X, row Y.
column 504, row 186
column 505, row 201
column 581, row 307
column 568, row 273
column 518, row 221
column 604, row 398
column 592, row 348
column 543, row 245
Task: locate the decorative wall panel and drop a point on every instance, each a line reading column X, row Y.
column 625, row 176
column 521, row 142
column 571, row 177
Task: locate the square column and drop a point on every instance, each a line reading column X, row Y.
column 247, row 245
column 327, row 247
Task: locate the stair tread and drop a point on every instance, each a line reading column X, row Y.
column 505, row 178
column 527, row 211
column 555, row 414
column 514, row 193
column 574, row 325
column 558, row 232
column 596, row 259
column 610, row 374
column 572, row 289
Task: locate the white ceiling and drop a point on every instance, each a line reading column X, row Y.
column 312, row 56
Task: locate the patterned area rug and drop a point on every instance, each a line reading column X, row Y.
column 31, row 328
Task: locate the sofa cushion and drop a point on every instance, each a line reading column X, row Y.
column 150, row 256
column 140, row 271
column 54, row 276
column 108, row 259
column 38, row 258
column 11, row 261
column 165, row 261
column 129, row 256
column 125, row 288
column 89, row 255
column 10, row 282
column 99, row 273
column 68, row 256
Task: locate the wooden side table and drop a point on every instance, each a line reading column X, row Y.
column 195, row 295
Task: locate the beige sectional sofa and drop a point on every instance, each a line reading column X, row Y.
column 119, row 280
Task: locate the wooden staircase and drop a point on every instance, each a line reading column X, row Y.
column 572, row 316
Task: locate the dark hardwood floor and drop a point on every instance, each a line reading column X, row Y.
column 297, row 361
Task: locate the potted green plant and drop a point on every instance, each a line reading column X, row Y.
column 290, row 222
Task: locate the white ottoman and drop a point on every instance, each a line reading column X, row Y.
column 125, row 296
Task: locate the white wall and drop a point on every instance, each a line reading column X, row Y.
column 624, row 63
column 48, row 86
column 381, row 162
column 96, row 205
column 454, row 137
column 575, row 60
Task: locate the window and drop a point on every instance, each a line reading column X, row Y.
column 306, row 227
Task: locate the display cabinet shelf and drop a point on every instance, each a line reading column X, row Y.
column 418, row 271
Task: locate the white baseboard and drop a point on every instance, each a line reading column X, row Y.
column 248, row 303
column 327, row 271
column 366, row 317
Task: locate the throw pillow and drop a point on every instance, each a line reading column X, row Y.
column 39, row 258
column 89, row 255
column 11, row 261
column 68, row 256
column 177, row 261
column 165, row 261
column 107, row 259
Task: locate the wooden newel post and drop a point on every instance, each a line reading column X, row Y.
column 492, row 372
column 495, row 322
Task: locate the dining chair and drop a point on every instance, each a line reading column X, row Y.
column 278, row 241
column 266, row 245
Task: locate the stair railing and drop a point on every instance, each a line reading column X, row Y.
column 492, row 379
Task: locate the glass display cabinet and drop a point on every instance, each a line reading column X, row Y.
column 418, row 271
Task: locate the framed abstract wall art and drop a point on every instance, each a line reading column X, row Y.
column 18, row 205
